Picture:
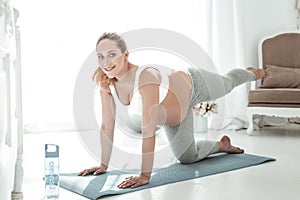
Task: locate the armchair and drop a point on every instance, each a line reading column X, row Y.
column 278, row 94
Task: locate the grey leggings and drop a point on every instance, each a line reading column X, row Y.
column 207, row 86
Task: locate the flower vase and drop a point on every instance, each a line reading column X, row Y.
column 200, row 124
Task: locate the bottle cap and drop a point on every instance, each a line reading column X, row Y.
column 51, row 150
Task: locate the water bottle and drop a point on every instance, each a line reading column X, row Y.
column 51, row 171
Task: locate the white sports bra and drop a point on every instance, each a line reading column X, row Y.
column 129, row 117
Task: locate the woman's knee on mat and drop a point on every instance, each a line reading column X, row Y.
column 188, row 158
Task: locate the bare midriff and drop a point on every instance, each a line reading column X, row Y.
column 176, row 103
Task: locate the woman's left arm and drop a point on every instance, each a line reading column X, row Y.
column 149, row 90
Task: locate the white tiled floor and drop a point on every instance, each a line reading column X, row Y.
column 279, row 180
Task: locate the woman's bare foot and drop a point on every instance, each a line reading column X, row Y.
column 259, row 73
column 225, row 146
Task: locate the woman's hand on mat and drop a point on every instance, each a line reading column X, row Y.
column 134, row 181
column 95, row 170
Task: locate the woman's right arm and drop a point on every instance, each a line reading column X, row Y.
column 106, row 133
column 107, row 126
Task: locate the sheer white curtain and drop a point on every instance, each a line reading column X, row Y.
column 227, row 51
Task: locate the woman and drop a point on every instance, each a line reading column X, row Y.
column 119, row 79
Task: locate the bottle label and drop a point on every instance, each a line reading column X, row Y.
column 52, row 176
column 51, row 171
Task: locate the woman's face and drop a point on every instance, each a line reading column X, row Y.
column 110, row 58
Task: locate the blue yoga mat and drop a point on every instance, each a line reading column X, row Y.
column 94, row 187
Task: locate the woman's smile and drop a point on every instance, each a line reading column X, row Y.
column 109, row 69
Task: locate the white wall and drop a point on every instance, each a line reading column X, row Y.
column 262, row 18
